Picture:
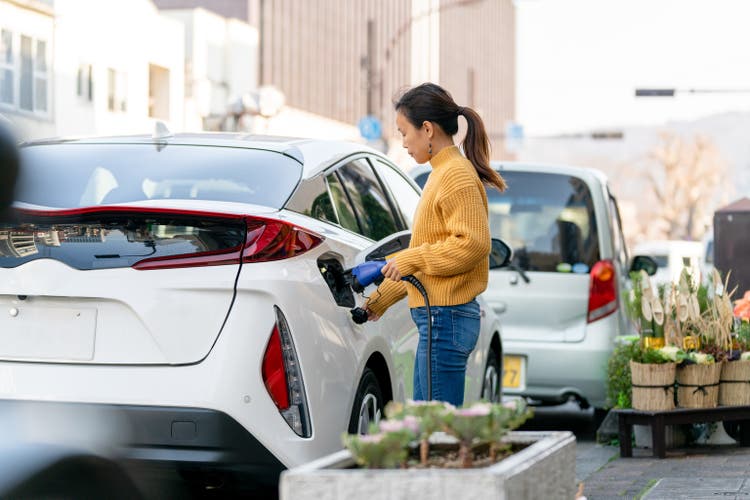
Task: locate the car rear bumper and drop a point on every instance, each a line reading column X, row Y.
column 186, row 437
column 557, row 372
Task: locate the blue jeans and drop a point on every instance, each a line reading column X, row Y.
column 455, row 330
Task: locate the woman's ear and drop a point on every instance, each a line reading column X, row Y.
column 429, row 128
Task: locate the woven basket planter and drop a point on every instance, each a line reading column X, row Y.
column 698, row 385
column 653, row 386
column 734, row 387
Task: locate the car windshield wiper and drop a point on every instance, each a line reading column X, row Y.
column 520, row 271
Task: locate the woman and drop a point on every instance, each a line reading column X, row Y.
column 450, row 243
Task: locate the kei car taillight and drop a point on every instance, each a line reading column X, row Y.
column 283, row 377
column 602, row 291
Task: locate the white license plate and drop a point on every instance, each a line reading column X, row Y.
column 32, row 332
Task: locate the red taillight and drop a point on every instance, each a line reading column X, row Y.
column 274, row 240
column 274, row 375
column 217, row 258
column 602, row 291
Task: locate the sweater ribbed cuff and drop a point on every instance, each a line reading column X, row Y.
column 388, row 293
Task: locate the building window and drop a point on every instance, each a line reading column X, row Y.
column 6, row 67
column 24, row 72
column 85, row 82
column 116, row 90
column 158, row 92
column 40, row 76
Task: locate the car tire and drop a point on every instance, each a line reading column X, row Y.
column 368, row 404
column 492, row 383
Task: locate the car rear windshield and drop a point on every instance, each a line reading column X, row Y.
column 548, row 220
column 114, row 240
column 82, row 175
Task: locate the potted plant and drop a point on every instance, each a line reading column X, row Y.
column 433, row 450
column 734, row 386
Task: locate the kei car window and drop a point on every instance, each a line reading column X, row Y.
column 81, row 175
column 368, row 199
column 548, row 219
column 403, row 192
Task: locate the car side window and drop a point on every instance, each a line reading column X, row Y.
column 618, row 238
column 346, row 216
column 403, row 192
column 312, row 198
column 369, row 200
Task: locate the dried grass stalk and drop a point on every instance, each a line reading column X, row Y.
column 734, row 389
column 653, row 386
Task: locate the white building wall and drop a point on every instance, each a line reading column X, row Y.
column 126, row 37
column 221, row 60
column 32, row 19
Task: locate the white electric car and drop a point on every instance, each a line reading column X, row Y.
column 196, row 285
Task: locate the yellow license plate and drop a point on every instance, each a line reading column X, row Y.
column 513, row 372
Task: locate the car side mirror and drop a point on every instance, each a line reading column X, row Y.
column 500, row 254
column 644, row 263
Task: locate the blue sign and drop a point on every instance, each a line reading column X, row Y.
column 370, row 128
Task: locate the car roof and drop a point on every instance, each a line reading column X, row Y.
column 314, row 154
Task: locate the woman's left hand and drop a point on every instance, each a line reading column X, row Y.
column 390, row 271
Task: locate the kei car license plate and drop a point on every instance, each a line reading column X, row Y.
column 514, row 372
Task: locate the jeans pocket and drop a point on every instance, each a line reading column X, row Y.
column 465, row 330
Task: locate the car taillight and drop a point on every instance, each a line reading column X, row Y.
column 602, row 291
column 269, row 239
column 265, row 240
column 283, row 377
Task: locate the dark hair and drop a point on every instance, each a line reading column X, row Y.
column 432, row 103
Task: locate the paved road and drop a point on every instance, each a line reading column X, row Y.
column 590, row 456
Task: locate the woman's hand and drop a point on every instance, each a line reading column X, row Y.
column 390, row 271
column 371, row 316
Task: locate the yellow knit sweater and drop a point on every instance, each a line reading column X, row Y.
column 450, row 243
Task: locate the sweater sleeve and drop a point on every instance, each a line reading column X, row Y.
column 467, row 244
column 388, row 293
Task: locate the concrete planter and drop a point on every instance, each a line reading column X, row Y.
column 544, row 469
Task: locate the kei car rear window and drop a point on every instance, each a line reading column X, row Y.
column 548, row 219
column 82, row 175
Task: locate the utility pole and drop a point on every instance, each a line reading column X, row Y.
column 370, row 67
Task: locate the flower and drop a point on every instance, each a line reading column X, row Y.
column 742, row 307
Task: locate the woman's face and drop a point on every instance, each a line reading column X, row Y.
column 415, row 140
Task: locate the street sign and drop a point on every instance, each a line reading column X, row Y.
column 370, row 128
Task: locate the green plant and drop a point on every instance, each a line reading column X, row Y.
column 619, row 385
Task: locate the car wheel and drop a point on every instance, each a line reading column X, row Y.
column 368, row 404
column 492, row 387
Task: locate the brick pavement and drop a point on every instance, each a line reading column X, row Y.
column 701, row 472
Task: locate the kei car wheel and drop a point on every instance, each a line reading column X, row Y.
column 492, row 385
column 368, row 404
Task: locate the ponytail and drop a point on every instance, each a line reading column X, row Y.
column 476, row 146
column 430, row 102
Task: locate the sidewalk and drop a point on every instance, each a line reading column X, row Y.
column 700, row 472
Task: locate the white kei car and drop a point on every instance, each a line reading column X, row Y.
column 196, row 284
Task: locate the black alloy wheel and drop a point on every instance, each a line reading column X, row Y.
column 492, row 385
column 368, row 404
